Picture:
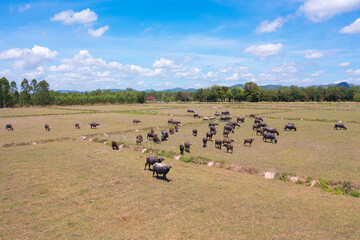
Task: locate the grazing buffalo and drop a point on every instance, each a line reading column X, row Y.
column 114, row 145
column 196, row 115
column 226, row 133
column 187, row 146
column 176, row 122
column 176, row 128
column 212, row 124
column 270, row 130
column 217, row 114
column 212, row 118
column 340, row 125
column 150, row 160
column 204, row 142
column 139, row 139
column 135, row 121
column 156, row 140
column 171, row 131
column 227, row 141
column 229, row 128
column 206, row 119
column 257, row 121
column 233, row 124
column 225, row 118
column 218, row 143
column 152, row 130
column 150, row 136
column 213, row 130
column 160, row 168
column 262, row 124
column 256, row 126
column 248, row 140
column 229, row 147
column 94, row 124
column 194, row 132
column 181, row 147
column 47, row 127
column 77, row 125
column 9, row 127
column 252, row 115
column 225, row 113
column 190, row 111
column 259, row 130
column 259, row 118
column 171, row 121
column 270, row 136
column 289, row 126
column 240, row 119
column 209, row 136
column 164, row 135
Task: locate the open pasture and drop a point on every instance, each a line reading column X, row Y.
column 85, row 190
column 32, row 111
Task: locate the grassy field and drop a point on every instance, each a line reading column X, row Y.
column 81, row 189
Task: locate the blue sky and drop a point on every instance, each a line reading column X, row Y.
column 87, row 45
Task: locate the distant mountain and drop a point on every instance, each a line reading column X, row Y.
column 266, row 87
column 237, row 85
column 345, row 84
column 150, row 90
column 67, row 91
column 179, row 90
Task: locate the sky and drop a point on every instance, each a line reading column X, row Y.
column 161, row 44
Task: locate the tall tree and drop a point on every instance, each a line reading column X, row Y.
column 252, row 92
column 4, row 91
column 25, row 97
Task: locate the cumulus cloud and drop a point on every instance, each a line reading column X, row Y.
column 268, row 27
column 23, row 8
column 99, row 32
column 70, row 17
column 265, row 50
column 353, row 72
column 285, row 68
column 352, row 28
column 321, row 10
column 317, row 73
column 165, row 63
column 314, row 55
column 344, row 64
column 26, row 59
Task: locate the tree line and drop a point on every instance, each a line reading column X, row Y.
column 39, row 93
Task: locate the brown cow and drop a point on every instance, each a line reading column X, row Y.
column 227, row 141
column 171, row 131
column 248, row 140
column 156, row 140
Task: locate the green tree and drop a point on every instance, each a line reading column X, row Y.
column 4, row 92
column 252, row 92
column 25, row 97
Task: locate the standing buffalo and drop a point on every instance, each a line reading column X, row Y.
column 77, row 125
column 262, row 124
column 229, row 128
column 252, row 115
column 181, row 147
column 248, row 140
column 213, row 130
column 259, row 130
column 259, row 118
column 227, row 141
column 139, row 139
column 290, row 126
column 340, row 125
column 94, row 124
column 190, row 111
column 164, row 135
column 226, row 133
column 176, row 128
column 217, row 114
column 160, row 168
column 135, row 121
column 225, row 118
column 114, row 145
column 171, row 131
column 209, row 136
column 229, row 147
column 270, row 136
column 218, row 143
column 204, row 142
column 194, row 132
column 256, row 126
column 47, row 127
column 9, row 127
column 212, row 124
column 150, row 160
column 270, row 130
column 196, row 115
column 156, row 140
column 150, row 136
column 225, row 113
column 233, row 124
column 240, row 119
column 187, row 146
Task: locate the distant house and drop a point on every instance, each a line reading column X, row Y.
column 149, row 99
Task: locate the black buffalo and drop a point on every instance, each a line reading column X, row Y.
column 240, row 119
column 47, row 127
column 9, row 127
column 160, row 168
column 340, row 125
column 94, row 124
column 270, row 130
column 204, row 142
column 150, row 160
column 289, row 126
column 270, row 136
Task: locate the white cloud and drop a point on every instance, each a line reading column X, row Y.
column 165, row 63
column 99, row 32
column 26, row 59
column 265, row 50
column 24, row 8
column 353, row 72
column 314, row 55
column 70, row 17
column 167, row 84
column 286, row 68
column 317, row 73
column 147, row 29
column 352, row 28
column 322, row 10
column 344, row 64
column 268, row 27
